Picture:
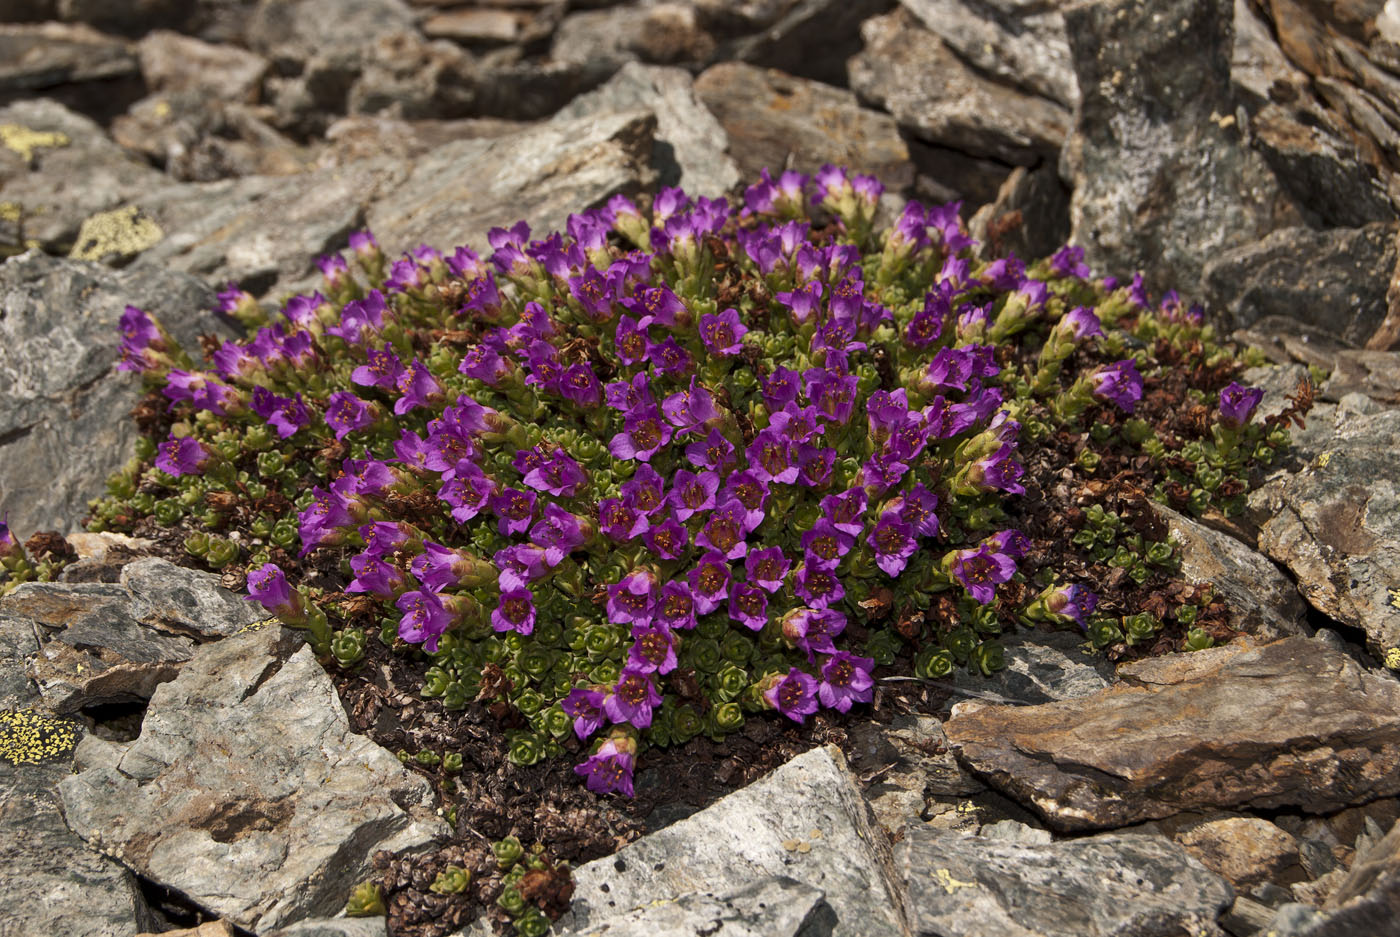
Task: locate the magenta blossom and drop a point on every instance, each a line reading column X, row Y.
column 515, row 612
column 892, row 540
column 586, row 708
column 633, row 600
column 633, row 698
column 610, row 768
column 767, row 568
column 812, row 630
column 748, row 605
column 846, row 680
column 266, row 584
column 1118, row 383
column 722, row 332
column 653, row 650
column 182, row 457
column 709, row 582
column 980, row 570
column 795, row 695
column 425, row 619
column 1237, row 404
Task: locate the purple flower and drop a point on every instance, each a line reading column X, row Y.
column 591, row 291
column 377, row 577
column 833, row 394
column 825, row 543
column 417, row 388
column 767, row 568
column 815, row 465
column 1118, row 383
column 714, row 452
column 424, row 620
column 485, row 364
column 519, row 566
column 780, row 388
column 676, row 610
column 846, row 511
column 1237, row 404
column 795, row 695
column 610, row 768
column 996, row 472
column 182, row 457
column 748, row 605
column 846, row 680
column 1069, row 262
column 559, row 533
column 722, row 332
column 620, row 521
column 709, row 582
column 818, row 585
column 1081, row 323
column 140, row 335
column 515, row 612
column 692, row 493
column 1011, row 542
column 632, row 699
column 586, row 708
column 467, row 493
column 803, row 303
column 266, row 584
column 981, row 569
column 770, row 457
column 558, row 475
column 688, row 409
column 633, row 600
column 284, row 414
column 670, row 358
column 644, row 491
column 514, row 508
column 892, row 541
column 360, row 319
column 917, row 506
column 812, row 630
column 643, row 434
column 724, row 531
column 751, row 492
column 1069, row 603
column 667, row 539
column 653, row 650
column 346, row 413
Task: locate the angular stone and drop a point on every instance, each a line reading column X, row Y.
column 1258, row 67
column 1263, row 601
column 690, row 148
column 912, row 73
column 776, row 121
column 404, row 75
column 476, row 25
column 805, row 821
column 198, row 139
column 1335, row 280
column 774, row 907
column 1091, row 887
column 904, row 763
column 1366, row 900
column 458, row 192
column 1245, row 850
column 512, row 87
column 1162, row 180
column 1289, row 723
column 44, row 150
column 1021, row 42
column 1041, row 666
column 1030, row 216
column 129, row 17
column 172, row 62
column 185, row 601
column 60, row 431
column 811, row 39
column 334, row 927
column 246, row 790
column 660, row 34
column 46, row 54
column 300, row 29
column 361, row 137
column 1336, row 526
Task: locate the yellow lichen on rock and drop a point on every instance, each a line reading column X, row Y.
column 25, row 141
column 119, row 233
column 28, row 737
column 10, row 211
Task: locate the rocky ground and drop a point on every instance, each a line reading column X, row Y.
column 166, row 758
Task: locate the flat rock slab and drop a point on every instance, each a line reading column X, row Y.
column 1041, row 667
column 690, row 149
column 1336, row 526
column 805, row 821
column 975, row 886
column 246, row 790
column 1293, row 723
column 777, row 907
column 62, row 428
column 1263, row 601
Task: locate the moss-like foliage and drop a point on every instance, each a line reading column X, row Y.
column 681, row 466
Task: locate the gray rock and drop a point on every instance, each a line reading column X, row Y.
column 130, row 17
column 1263, row 601
column 690, row 148
column 805, row 821
column 910, row 72
column 44, row 150
column 172, row 62
column 513, row 88
column 774, row 907
column 403, row 75
column 43, row 55
column 1365, row 901
column 1041, row 666
column 185, row 601
column 1162, row 179
column 263, row 233
column 657, row 33
column 246, row 790
column 334, row 927
column 1320, row 170
column 1021, row 42
column 812, row 39
column 1247, row 851
column 19, row 641
column 1030, row 216
column 458, row 192
column 947, row 175
column 778, row 121
column 301, row 29
column 1335, row 280
column 903, row 764
column 1093, row 887
column 1259, row 70
column 61, row 430
column 1337, row 529
column 1292, row 722
column 199, row 139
